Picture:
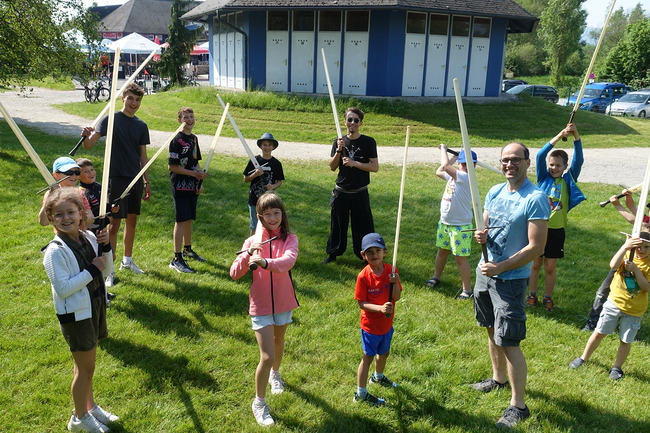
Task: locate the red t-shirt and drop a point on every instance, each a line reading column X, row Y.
column 374, row 289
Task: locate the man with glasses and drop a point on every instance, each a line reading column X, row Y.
column 355, row 156
column 516, row 219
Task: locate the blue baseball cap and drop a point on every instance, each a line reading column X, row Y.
column 267, row 136
column 63, row 164
column 372, row 240
column 461, row 156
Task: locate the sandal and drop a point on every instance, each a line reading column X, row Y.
column 549, row 304
column 433, row 282
column 464, row 295
column 531, row 300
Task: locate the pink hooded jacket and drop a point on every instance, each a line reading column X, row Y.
column 272, row 289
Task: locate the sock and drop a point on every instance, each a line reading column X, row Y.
column 378, row 375
column 178, row 256
column 275, row 373
column 187, row 247
column 126, row 260
column 361, row 392
column 259, row 401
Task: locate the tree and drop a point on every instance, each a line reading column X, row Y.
column 562, row 24
column 525, row 51
column 629, row 61
column 33, row 41
column 181, row 42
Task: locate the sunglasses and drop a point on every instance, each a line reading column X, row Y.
column 353, row 120
column 513, row 161
column 71, row 172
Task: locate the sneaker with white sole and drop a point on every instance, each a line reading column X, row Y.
column 131, row 266
column 110, row 280
column 277, row 384
column 179, row 265
column 512, row 416
column 191, row 254
column 103, row 416
column 262, row 415
column 383, row 381
column 368, row 399
column 87, row 423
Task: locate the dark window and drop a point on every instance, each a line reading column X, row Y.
column 278, row 20
column 460, row 26
column 439, row 24
column 416, row 23
column 329, row 21
column 481, row 28
column 357, row 21
column 303, row 21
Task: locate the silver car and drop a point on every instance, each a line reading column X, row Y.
column 633, row 104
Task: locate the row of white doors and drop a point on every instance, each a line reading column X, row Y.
column 228, row 60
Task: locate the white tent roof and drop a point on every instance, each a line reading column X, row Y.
column 135, row 43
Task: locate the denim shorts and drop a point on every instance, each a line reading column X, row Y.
column 611, row 318
column 252, row 213
column 499, row 304
column 376, row 344
column 279, row 319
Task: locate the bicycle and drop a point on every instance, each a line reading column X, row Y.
column 98, row 93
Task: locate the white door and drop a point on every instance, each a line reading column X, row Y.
column 329, row 39
column 478, row 62
column 434, row 82
column 414, row 46
column 355, row 52
column 277, row 51
column 239, row 61
column 230, row 46
column 223, row 59
column 302, row 52
column 458, row 53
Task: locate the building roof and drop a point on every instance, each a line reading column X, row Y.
column 521, row 21
column 141, row 16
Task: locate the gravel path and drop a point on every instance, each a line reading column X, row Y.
column 611, row 166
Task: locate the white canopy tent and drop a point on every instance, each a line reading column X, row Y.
column 135, row 43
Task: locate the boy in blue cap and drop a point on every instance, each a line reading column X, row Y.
column 266, row 178
column 453, row 236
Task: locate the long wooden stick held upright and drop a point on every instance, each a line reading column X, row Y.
column 477, row 206
column 103, row 198
column 331, row 92
column 576, row 106
column 248, row 150
column 114, row 95
column 640, row 209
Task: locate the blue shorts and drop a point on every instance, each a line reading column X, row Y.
column 611, row 318
column 279, row 319
column 376, row 344
column 252, row 213
column 500, row 304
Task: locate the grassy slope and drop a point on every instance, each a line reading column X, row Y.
column 307, row 119
column 181, row 354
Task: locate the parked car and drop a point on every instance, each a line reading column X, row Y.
column 546, row 92
column 597, row 96
column 509, row 84
column 634, row 104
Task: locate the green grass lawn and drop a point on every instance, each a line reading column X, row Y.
column 309, row 119
column 181, row 355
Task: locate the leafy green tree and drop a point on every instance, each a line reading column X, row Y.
column 33, row 40
column 637, row 14
column 525, row 51
column 181, row 42
column 562, row 24
column 629, row 61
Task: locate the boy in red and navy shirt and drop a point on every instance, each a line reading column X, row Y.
column 376, row 291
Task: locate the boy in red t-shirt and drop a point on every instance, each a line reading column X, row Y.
column 376, row 290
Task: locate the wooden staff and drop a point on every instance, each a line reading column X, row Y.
column 479, row 163
column 261, row 243
column 103, row 197
column 399, row 211
column 640, row 210
column 38, row 162
column 213, row 146
column 576, row 106
column 257, row 238
column 113, row 94
column 631, row 189
column 248, row 150
column 473, row 183
column 151, row 160
column 331, row 92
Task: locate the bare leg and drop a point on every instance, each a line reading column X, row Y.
column 279, row 333
column 129, row 234
column 362, row 371
column 499, row 363
column 82, row 383
column 441, row 261
column 534, row 274
column 380, row 362
column 550, row 276
column 517, row 373
column 465, row 272
column 265, row 342
column 180, row 235
column 621, row 355
column 592, row 345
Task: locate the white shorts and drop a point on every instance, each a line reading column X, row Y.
column 280, row 319
column 611, row 317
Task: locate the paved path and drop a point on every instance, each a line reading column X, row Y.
column 624, row 166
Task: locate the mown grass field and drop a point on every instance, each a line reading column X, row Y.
column 181, row 356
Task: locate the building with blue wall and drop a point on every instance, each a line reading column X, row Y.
column 376, row 48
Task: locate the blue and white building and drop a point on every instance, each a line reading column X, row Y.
column 378, row 48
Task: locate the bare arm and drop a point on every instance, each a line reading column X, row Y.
column 143, row 161
column 446, row 164
column 371, row 166
column 340, row 148
column 178, row 169
column 629, row 217
column 91, row 137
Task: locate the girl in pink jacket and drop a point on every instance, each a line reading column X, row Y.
column 270, row 253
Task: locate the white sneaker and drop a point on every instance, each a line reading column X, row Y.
column 262, row 415
column 132, row 267
column 102, row 416
column 108, row 282
column 277, row 384
column 87, row 423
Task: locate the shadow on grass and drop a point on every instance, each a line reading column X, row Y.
column 163, row 370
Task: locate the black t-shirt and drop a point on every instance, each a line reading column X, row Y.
column 269, row 177
column 93, row 192
column 129, row 133
column 361, row 149
column 184, row 151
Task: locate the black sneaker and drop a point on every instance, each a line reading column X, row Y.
column 488, row 385
column 369, row 399
column 576, row 363
column 512, row 416
column 191, row 254
column 616, row 373
column 589, row 327
column 331, row 258
column 383, row 381
column 180, row 266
